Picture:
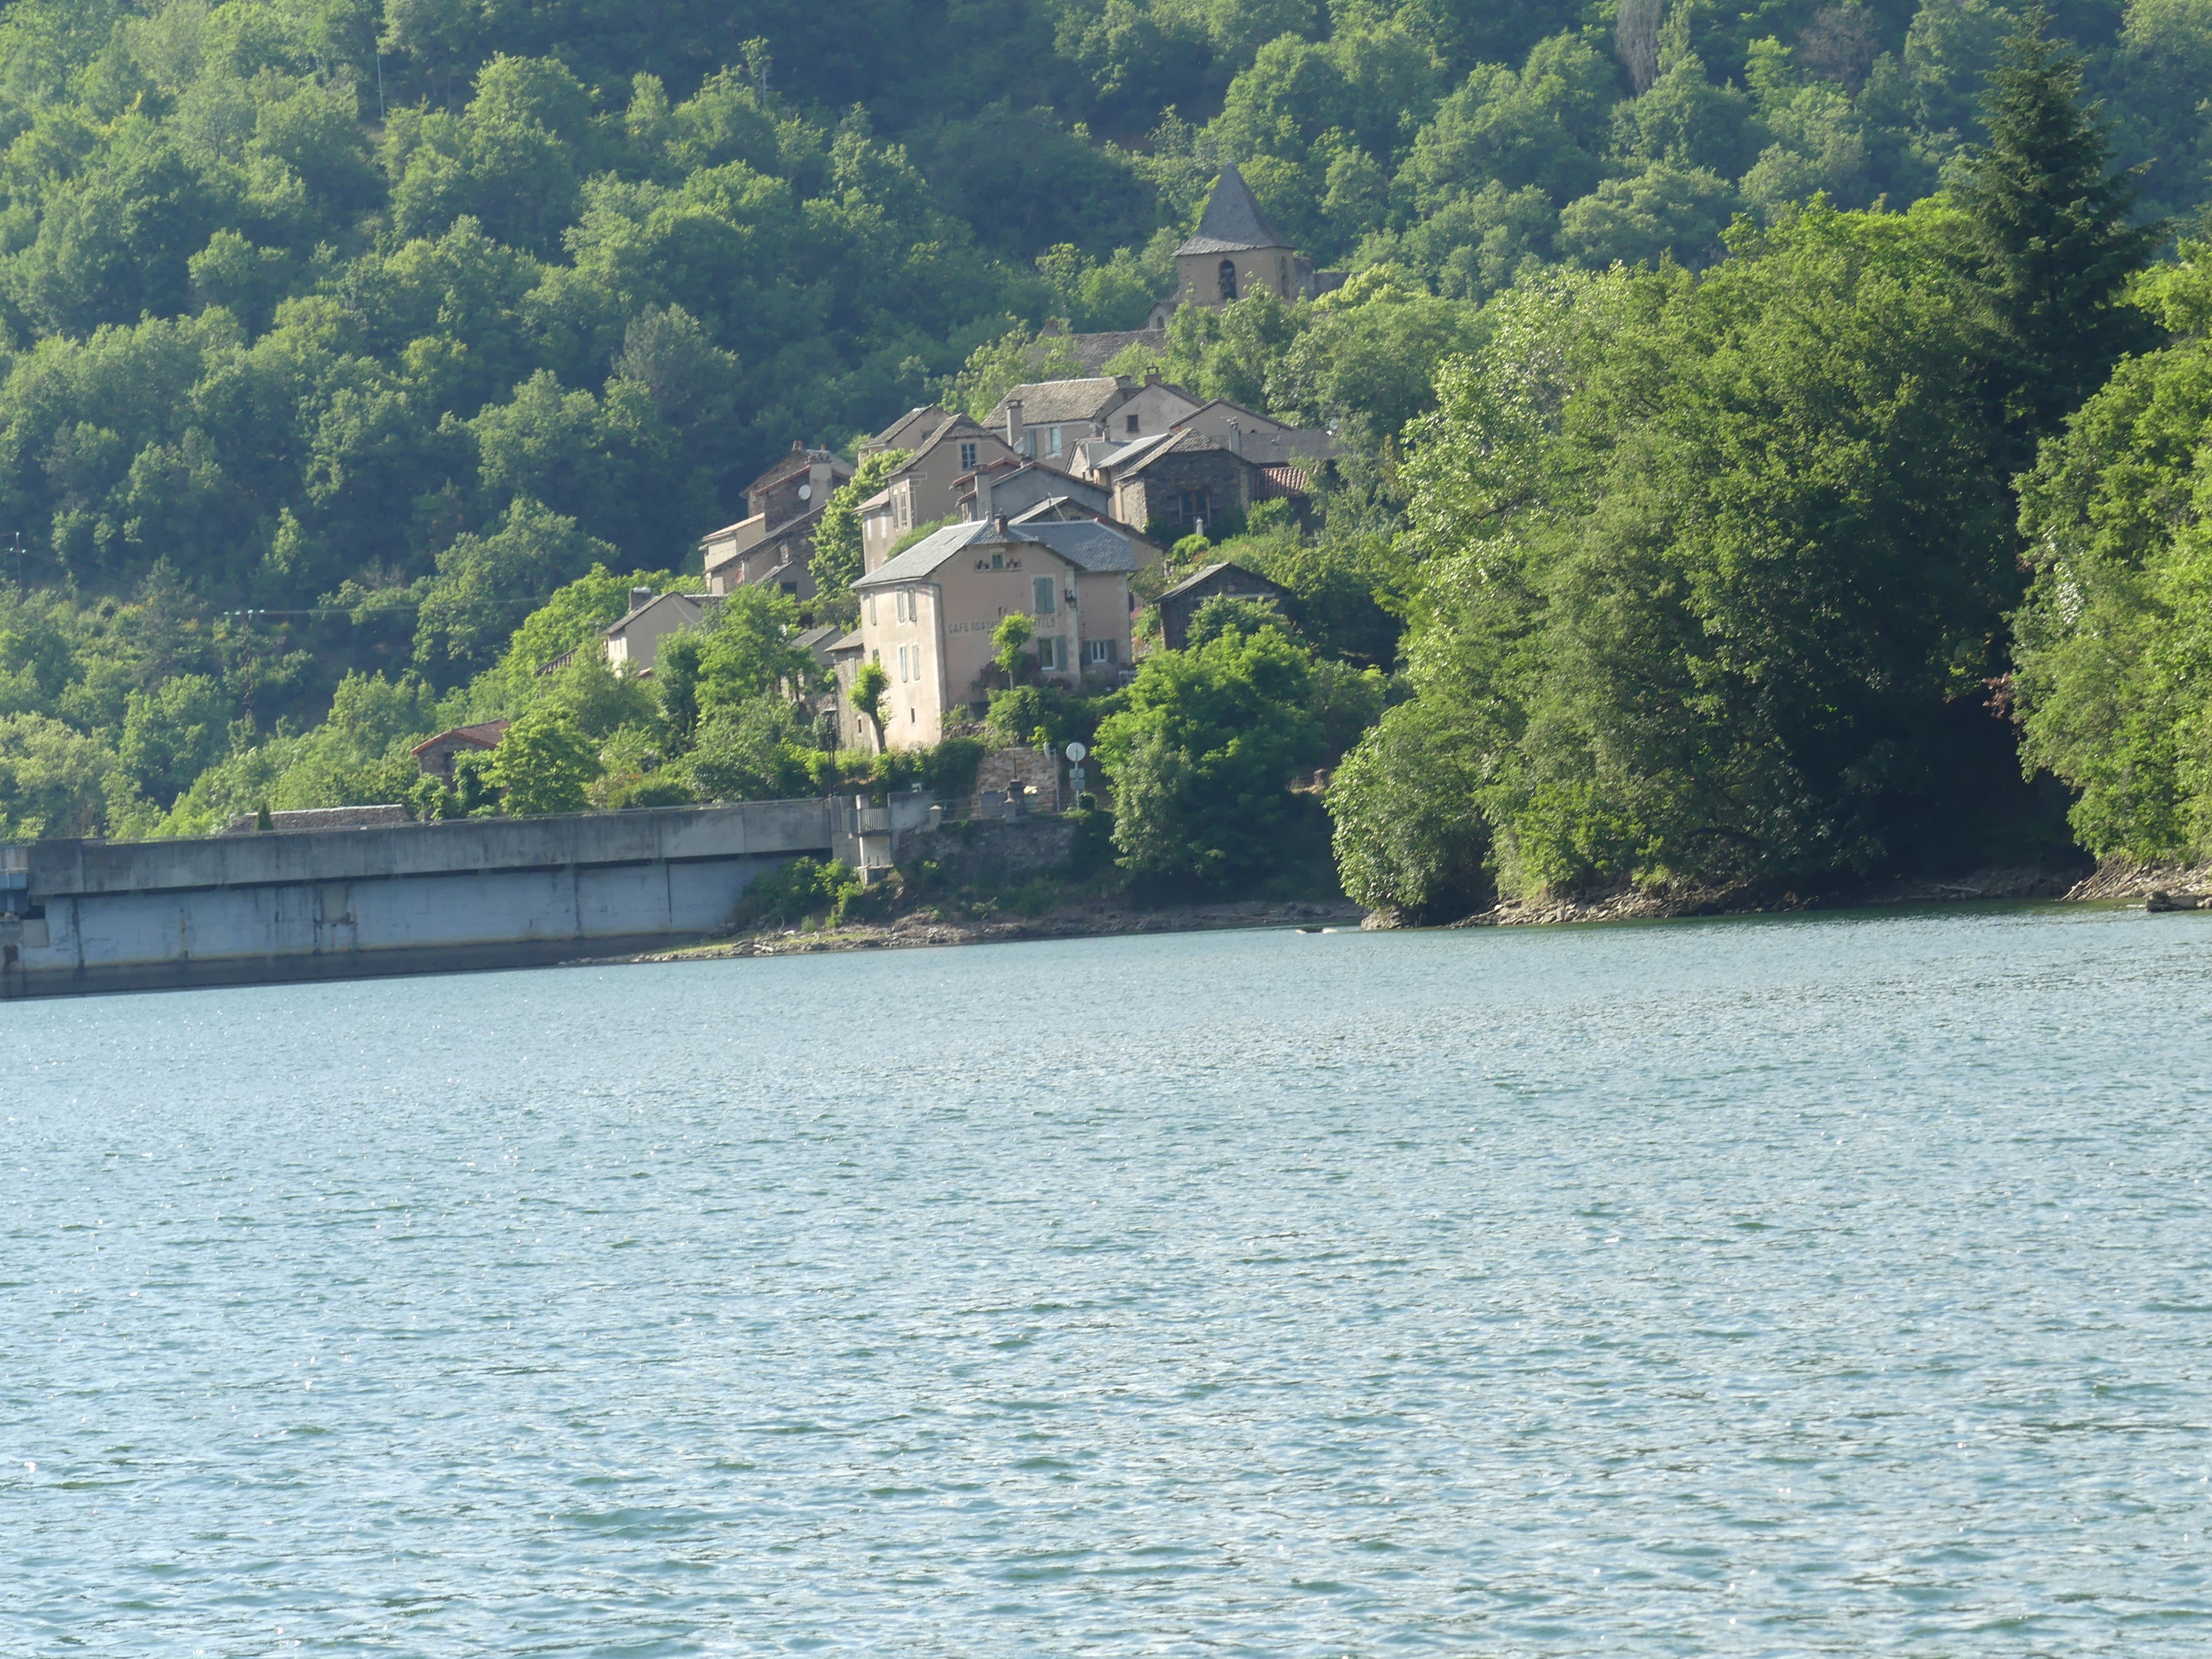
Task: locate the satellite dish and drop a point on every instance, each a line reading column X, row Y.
column 1076, row 751
column 805, row 491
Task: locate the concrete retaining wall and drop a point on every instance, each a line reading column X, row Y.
column 482, row 893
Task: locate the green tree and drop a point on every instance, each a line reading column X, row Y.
column 1411, row 837
column 837, row 560
column 869, row 685
column 54, row 782
column 2114, row 649
column 173, row 733
column 1203, row 756
column 2051, row 242
column 543, row 763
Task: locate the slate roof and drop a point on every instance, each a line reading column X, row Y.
column 911, row 425
column 1088, row 545
column 1205, row 571
column 1049, row 403
column 1094, row 548
column 1095, row 351
column 1232, row 222
column 1178, row 440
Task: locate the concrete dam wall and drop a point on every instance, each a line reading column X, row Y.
column 81, row 916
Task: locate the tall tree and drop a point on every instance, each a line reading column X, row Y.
column 2052, row 245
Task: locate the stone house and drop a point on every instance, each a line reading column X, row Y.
column 434, row 756
column 633, row 640
column 925, row 488
column 774, row 544
column 1172, row 484
column 1014, row 492
column 1259, row 437
column 1179, row 604
column 909, row 431
column 929, row 615
column 1052, row 420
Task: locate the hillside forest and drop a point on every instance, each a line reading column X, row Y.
column 1774, row 439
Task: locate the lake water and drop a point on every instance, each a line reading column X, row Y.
column 1792, row 1286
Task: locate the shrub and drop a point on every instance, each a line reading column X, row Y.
column 792, row 893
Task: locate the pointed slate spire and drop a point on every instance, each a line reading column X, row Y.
column 1232, row 222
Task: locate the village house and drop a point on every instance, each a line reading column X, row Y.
column 1179, row 604
column 632, row 641
column 774, row 544
column 907, row 432
column 1017, row 491
column 929, row 616
column 925, row 490
column 1050, row 421
column 1258, row 437
column 434, row 756
column 1172, row 484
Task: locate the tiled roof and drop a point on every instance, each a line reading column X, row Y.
column 485, row 734
column 798, row 458
column 1232, row 222
column 1048, row 403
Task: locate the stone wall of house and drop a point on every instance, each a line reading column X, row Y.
column 981, row 854
column 1020, row 768
column 1220, row 473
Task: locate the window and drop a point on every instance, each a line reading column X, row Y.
column 1051, row 652
column 872, row 611
column 792, row 588
column 967, row 458
column 998, row 562
column 1046, row 590
column 1132, row 424
column 1228, row 279
column 1052, row 438
column 1195, row 504
column 1102, row 651
column 1283, row 275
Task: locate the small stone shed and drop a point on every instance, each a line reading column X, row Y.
column 1179, row 604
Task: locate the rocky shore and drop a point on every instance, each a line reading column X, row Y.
column 1091, row 920
column 2157, row 887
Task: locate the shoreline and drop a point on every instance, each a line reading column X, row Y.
column 2158, row 887
column 918, row 930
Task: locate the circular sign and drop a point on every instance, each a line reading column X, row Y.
column 1076, row 751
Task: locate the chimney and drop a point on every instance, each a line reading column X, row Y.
column 1236, row 438
column 1151, row 377
column 640, row 598
column 1014, row 424
column 998, row 526
column 797, row 447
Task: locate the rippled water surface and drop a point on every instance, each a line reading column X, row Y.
column 1782, row 1287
